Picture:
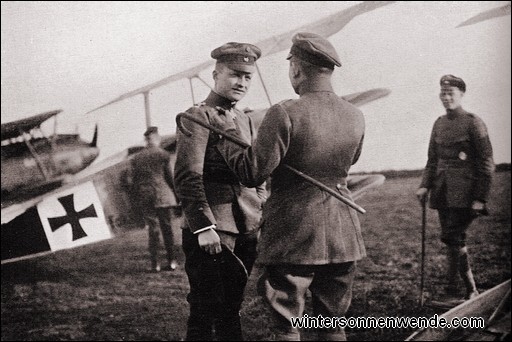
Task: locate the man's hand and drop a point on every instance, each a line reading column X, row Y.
column 478, row 208
column 223, row 119
column 422, row 195
column 209, row 241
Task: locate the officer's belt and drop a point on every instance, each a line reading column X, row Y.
column 452, row 163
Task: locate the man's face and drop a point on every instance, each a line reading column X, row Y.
column 153, row 139
column 232, row 84
column 450, row 96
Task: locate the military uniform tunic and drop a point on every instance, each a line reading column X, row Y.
column 209, row 191
column 460, row 164
column 321, row 135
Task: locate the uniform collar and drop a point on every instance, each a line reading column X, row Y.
column 454, row 113
column 316, row 84
column 214, row 100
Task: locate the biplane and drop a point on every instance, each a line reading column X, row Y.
column 96, row 204
column 33, row 163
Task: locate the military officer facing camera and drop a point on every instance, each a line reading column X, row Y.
column 458, row 176
column 222, row 216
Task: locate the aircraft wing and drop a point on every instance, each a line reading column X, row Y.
column 363, row 97
column 357, row 99
column 12, row 129
column 326, row 27
column 486, row 15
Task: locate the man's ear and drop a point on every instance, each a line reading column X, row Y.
column 295, row 69
column 214, row 74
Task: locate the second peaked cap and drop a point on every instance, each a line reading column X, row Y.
column 314, row 49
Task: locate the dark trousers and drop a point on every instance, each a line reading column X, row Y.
column 155, row 217
column 215, row 298
column 246, row 249
column 454, row 224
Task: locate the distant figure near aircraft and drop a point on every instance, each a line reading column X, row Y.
column 151, row 177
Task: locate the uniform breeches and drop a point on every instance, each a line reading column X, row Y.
column 246, row 250
column 454, row 224
column 155, row 217
column 215, row 298
column 284, row 287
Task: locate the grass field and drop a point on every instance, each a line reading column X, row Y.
column 103, row 291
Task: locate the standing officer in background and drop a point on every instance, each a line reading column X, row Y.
column 309, row 239
column 458, row 176
column 218, row 209
column 151, row 177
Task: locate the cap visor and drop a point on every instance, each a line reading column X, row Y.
column 242, row 67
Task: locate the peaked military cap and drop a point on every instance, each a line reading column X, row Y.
column 453, row 81
column 238, row 56
column 151, row 130
column 314, row 49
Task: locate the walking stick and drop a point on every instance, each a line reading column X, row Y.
column 242, row 143
column 423, row 229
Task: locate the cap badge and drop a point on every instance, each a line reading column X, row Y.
column 246, row 59
column 463, row 156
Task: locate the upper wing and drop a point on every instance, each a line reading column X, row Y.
column 486, row 15
column 12, row 129
column 325, row 27
column 357, row 99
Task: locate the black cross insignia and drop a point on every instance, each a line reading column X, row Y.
column 72, row 217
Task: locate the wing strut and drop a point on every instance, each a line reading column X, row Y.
column 36, row 156
column 146, row 107
column 192, row 91
column 263, row 84
column 206, row 83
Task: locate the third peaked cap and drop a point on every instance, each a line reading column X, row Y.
column 314, row 49
column 453, row 81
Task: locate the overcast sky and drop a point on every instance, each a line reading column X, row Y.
column 79, row 55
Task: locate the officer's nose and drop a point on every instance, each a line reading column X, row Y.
column 243, row 81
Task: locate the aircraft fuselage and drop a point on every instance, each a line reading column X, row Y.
column 48, row 162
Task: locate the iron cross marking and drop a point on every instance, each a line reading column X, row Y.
column 72, row 217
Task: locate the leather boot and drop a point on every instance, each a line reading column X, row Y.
column 467, row 276
column 452, row 287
